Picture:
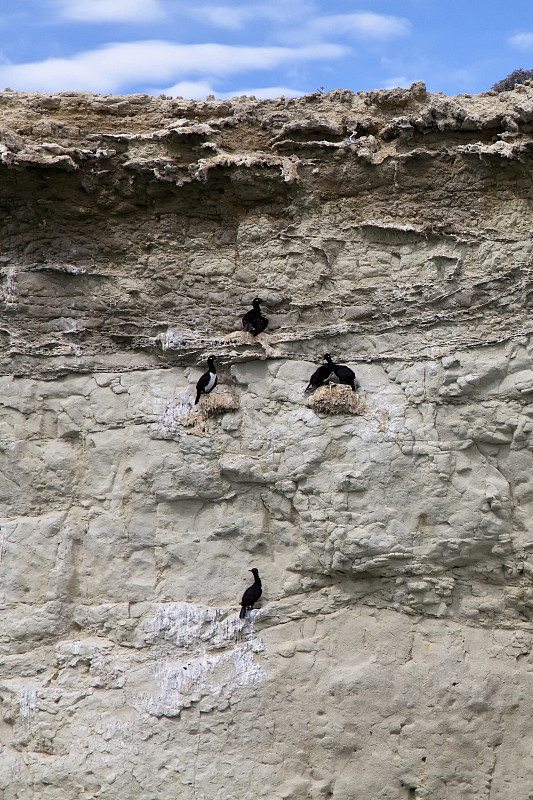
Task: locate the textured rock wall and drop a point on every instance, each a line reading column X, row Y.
column 391, row 657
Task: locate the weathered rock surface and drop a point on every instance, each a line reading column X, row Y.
column 391, row 657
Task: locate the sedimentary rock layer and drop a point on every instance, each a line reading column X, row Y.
column 390, row 654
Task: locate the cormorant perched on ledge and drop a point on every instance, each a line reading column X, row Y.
column 346, row 376
column 320, row 376
column 207, row 382
column 253, row 321
column 252, row 593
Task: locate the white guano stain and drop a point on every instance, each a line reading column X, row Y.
column 9, row 294
column 27, row 703
column 170, row 340
column 175, row 412
column 188, row 626
column 207, row 676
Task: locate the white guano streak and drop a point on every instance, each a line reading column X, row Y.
column 202, row 675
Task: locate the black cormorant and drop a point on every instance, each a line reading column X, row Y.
column 252, row 593
column 253, row 321
column 320, row 376
column 207, row 382
column 346, row 376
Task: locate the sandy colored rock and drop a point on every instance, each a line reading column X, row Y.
column 389, row 657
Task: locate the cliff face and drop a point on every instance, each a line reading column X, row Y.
column 392, row 653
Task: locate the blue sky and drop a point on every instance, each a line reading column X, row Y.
column 270, row 48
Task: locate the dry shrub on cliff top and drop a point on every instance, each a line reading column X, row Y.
column 337, row 399
column 508, row 83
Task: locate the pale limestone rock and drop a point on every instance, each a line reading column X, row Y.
column 390, row 654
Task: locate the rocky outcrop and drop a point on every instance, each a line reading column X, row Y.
column 389, row 657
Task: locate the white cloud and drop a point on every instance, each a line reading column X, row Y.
column 235, row 17
column 522, row 41
column 111, row 10
column 199, row 90
column 191, row 90
column 116, row 67
column 221, row 16
column 362, row 25
column 393, row 83
column 266, row 93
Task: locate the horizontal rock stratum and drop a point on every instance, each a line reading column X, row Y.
column 391, row 655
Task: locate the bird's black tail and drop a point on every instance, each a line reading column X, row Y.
column 243, row 612
column 197, row 398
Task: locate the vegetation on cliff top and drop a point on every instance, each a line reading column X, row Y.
column 518, row 76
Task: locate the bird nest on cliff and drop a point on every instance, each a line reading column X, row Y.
column 210, row 405
column 181, row 414
column 337, row 399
